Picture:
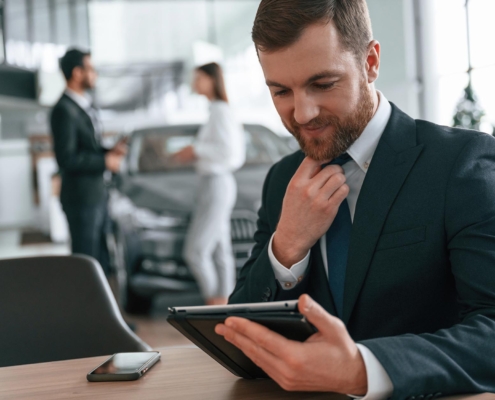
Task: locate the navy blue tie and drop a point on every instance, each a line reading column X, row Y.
column 337, row 240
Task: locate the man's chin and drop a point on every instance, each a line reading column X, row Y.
column 318, row 154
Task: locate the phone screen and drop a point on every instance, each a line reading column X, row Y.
column 124, row 363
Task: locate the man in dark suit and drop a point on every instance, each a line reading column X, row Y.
column 82, row 159
column 387, row 222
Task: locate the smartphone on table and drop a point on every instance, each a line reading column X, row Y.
column 124, row 367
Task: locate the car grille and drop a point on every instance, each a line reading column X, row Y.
column 243, row 227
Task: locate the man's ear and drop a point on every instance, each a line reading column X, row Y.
column 77, row 74
column 373, row 61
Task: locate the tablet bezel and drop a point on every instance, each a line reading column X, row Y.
column 290, row 305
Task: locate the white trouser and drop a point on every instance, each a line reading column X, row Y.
column 208, row 246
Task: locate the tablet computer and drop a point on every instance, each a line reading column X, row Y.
column 198, row 325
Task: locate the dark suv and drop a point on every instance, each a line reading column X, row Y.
column 152, row 202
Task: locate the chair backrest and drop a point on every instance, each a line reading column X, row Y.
column 59, row 308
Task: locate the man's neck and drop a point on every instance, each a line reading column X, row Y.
column 376, row 99
column 76, row 88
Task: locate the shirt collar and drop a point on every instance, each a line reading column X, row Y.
column 82, row 100
column 364, row 147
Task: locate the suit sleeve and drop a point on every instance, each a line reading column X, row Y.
column 69, row 157
column 460, row 359
column 256, row 281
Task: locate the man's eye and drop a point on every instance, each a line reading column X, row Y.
column 324, row 86
column 280, row 93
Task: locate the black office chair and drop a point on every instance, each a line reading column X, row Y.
column 59, row 308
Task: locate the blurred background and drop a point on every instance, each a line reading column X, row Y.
column 438, row 64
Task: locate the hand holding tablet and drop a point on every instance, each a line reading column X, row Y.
column 198, row 325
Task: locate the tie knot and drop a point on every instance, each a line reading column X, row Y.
column 340, row 160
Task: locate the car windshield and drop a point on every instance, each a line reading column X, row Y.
column 151, row 149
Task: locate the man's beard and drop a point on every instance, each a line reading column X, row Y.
column 346, row 130
column 87, row 84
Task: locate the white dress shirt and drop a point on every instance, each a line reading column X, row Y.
column 220, row 146
column 379, row 384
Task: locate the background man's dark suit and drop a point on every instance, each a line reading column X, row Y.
column 420, row 278
column 81, row 160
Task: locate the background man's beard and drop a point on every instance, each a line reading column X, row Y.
column 346, row 131
column 87, row 84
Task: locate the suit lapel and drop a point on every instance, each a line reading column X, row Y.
column 394, row 157
column 89, row 122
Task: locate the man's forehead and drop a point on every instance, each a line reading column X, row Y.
column 87, row 60
column 318, row 49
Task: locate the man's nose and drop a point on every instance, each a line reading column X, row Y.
column 305, row 109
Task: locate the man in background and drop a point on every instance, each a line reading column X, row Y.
column 82, row 159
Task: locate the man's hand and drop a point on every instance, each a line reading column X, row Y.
column 120, row 147
column 186, row 155
column 329, row 361
column 310, row 205
column 112, row 161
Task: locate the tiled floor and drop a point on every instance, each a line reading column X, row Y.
column 153, row 329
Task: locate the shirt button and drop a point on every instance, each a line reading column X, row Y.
column 366, row 165
column 288, row 284
column 299, row 279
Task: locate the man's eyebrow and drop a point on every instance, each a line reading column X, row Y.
column 314, row 78
column 276, row 84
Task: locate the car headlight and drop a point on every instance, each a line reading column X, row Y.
column 122, row 209
column 146, row 219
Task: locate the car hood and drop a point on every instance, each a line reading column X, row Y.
column 177, row 190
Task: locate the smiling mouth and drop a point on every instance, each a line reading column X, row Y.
column 314, row 130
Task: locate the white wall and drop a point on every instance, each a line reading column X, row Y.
column 393, row 27
column 152, row 31
column 16, row 195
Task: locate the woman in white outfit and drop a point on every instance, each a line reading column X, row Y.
column 219, row 150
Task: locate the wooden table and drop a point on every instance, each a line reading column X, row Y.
column 183, row 373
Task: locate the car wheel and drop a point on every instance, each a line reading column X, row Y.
column 127, row 256
column 136, row 304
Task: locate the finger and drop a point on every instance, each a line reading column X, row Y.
column 335, row 193
column 263, row 358
column 322, row 177
column 339, row 196
column 328, row 325
column 264, row 337
column 308, row 169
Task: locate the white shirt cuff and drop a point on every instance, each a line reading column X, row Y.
column 380, row 387
column 288, row 277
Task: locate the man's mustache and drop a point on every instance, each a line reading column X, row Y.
column 315, row 123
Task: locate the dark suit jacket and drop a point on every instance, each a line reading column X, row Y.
column 420, row 280
column 80, row 157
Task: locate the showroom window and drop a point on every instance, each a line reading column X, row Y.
column 464, row 32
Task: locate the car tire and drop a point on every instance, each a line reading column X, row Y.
column 126, row 259
column 136, row 304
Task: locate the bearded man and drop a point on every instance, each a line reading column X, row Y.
column 385, row 221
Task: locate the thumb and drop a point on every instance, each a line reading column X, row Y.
column 327, row 324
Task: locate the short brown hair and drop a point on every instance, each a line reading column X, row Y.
column 214, row 71
column 280, row 23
